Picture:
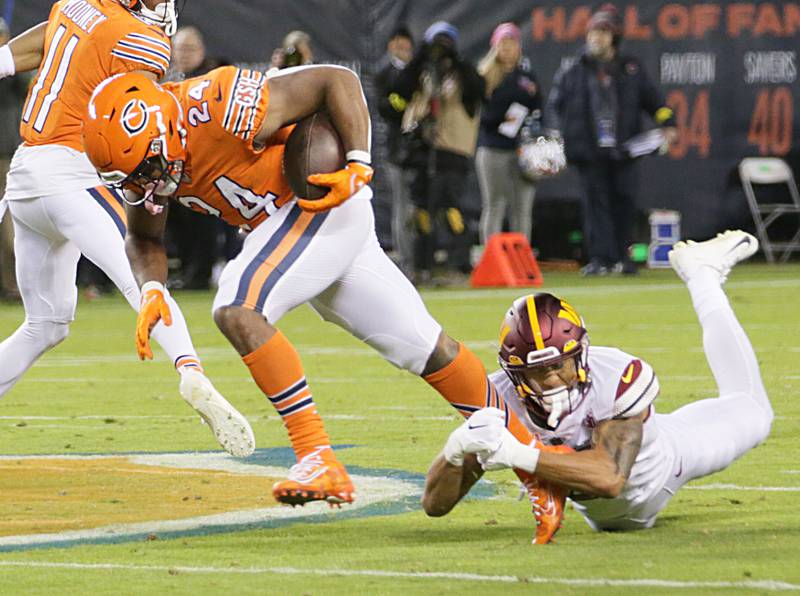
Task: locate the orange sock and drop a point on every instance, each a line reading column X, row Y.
column 278, row 372
column 465, row 385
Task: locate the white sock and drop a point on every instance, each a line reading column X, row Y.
column 706, row 292
column 175, row 339
column 727, row 347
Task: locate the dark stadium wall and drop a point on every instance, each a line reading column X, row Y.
column 728, row 69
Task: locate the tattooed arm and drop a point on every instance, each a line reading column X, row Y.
column 602, row 470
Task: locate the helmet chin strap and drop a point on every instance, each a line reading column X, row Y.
column 163, row 15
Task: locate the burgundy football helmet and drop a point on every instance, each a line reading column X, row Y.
column 539, row 331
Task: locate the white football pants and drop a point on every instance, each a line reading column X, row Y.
column 709, row 435
column 50, row 234
column 333, row 261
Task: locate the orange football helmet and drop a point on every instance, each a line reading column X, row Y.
column 135, row 137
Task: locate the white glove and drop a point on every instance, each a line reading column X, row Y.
column 510, row 453
column 481, row 432
column 7, row 66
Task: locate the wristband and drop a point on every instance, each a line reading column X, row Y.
column 153, row 285
column 523, row 457
column 359, row 156
column 453, row 452
column 7, row 66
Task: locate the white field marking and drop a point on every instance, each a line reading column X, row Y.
column 790, row 471
column 769, row 585
column 599, row 290
column 766, row 489
column 371, row 490
column 269, row 417
column 59, row 361
column 222, row 379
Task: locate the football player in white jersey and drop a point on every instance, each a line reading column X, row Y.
column 59, row 206
column 628, row 461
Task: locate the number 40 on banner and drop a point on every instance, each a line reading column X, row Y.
column 772, row 121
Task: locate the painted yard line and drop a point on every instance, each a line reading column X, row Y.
column 34, row 426
column 599, row 290
column 769, row 585
column 51, row 361
column 766, row 489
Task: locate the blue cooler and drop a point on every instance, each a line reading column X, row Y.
column 665, row 231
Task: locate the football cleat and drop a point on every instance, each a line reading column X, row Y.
column 318, row 476
column 547, row 501
column 230, row 428
column 720, row 254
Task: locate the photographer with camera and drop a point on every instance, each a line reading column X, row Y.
column 440, row 126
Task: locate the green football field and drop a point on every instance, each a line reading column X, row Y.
column 110, row 485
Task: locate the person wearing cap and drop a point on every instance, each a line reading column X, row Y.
column 512, row 102
column 596, row 104
column 440, row 125
column 12, row 95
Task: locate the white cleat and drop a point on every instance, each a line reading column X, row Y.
column 230, row 428
column 720, row 254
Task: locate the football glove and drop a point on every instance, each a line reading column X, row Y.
column 510, row 453
column 481, row 432
column 153, row 308
column 343, row 184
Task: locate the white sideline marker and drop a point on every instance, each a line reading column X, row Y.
column 768, row 585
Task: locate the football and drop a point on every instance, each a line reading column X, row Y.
column 313, row 147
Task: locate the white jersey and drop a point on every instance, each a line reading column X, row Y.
column 621, row 386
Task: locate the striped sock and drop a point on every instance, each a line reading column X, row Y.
column 465, row 385
column 188, row 361
column 278, row 372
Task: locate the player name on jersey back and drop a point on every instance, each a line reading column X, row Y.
column 83, row 14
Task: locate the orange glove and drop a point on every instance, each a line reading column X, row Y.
column 343, row 184
column 152, row 309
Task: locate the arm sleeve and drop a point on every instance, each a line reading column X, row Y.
column 244, row 103
column 638, row 388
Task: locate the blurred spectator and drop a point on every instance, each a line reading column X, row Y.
column 12, row 96
column 194, row 236
column 512, row 102
column 391, row 107
column 294, row 51
column 596, row 104
column 189, row 53
column 440, row 127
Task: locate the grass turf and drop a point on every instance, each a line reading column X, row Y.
column 97, row 398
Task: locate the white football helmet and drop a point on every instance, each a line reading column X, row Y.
column 164, row 15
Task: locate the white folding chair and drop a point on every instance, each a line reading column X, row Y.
column 767, row 171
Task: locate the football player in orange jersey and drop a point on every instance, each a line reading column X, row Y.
column 224, row 158
column 58, row 204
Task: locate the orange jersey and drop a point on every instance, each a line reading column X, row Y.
column 227, row 176
column 86, row 41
